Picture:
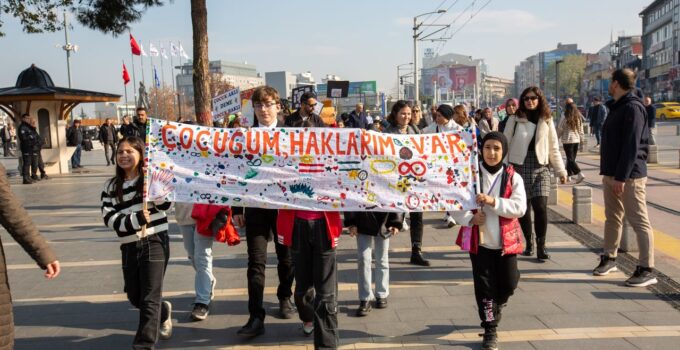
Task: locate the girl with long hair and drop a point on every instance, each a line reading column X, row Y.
column 533, row 146
column 144, row 242
column 570, row 131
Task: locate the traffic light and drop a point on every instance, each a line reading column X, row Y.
column 401, row 80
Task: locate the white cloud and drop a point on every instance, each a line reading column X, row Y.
column 403, row 21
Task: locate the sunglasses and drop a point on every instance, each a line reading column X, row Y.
column 532, row 98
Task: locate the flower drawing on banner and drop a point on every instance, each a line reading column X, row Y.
column 160, row 184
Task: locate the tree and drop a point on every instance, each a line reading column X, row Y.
column 114, row 17
column 571, row 76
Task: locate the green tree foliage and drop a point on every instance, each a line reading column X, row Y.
column 571, row 76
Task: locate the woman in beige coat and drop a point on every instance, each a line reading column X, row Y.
column 533, row 147
column 18, row 224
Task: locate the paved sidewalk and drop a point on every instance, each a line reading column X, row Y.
column 558, row 305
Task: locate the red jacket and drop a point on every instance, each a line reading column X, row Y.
column 204, row 214
column 286, row 219
column 511, row 232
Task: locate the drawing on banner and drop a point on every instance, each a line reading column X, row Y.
column 312, row 168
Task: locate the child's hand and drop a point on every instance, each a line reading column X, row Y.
column 393, row 230
column 478, row 219
column 486, row 199
column 353, row 231
column 147, row 215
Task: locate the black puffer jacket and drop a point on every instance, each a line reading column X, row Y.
column 372, row 222
column 625, row 139
column 28, row 138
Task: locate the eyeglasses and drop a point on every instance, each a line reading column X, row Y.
column 532, row 98
column 264, row 105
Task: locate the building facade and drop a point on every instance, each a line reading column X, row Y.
column 240, row 75
column 103, row 110
column 532, row 71
column 660, row 44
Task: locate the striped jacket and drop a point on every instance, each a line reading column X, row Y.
column 126, row 217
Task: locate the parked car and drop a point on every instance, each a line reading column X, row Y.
column 667, row 110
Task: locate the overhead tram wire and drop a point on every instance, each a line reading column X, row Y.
column 443, row 42
column 435, row 10
column 466, row 22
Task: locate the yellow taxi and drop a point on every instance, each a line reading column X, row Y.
column 667, row 110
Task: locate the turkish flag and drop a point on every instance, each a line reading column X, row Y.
column 126, row 75
column 136, row 50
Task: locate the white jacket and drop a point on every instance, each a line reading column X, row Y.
column 547, row 146
column 485, row 128
column 568, row 135
column 513, row 207
column 434, row 128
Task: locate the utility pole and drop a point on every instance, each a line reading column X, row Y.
column 557, row 86
column 68, row 47
column 417, row 26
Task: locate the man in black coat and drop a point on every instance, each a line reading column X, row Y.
column 305, row 116
column 358, row 118
column 141, row 122
column 597, row 114
column 74, row 138
column 651, row 119
column 260, row 227
column 29, row 141
column 623, row 165
column 108, row 135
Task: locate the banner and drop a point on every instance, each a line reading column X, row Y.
column 227, row 103
column 326, row 169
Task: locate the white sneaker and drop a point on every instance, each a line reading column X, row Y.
column 405, row 226
column 578, row 178
column 450, row 222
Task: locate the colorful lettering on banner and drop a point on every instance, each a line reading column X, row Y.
column 312, row 168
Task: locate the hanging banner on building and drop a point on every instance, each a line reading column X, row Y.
column 227, row 103
column 326, row 169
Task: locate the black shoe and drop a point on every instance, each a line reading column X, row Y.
column 27, row 180
column 364, row 308
column 529, row 249
column 200, row 312
column 44, row 177
column 490, row 339
column 253, row 328
column 35, row 178
column 606, row 266
column 381, row 303
column 541, row 252
column 642, row 277
column 165, row 331
column 418, row 259
column 286, row 309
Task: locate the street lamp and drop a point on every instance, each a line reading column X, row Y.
column 68, row 47
column 557, row 85
column 417, row 26
column 398, row 78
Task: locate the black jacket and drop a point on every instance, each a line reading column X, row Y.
column 625, row 139
column 597, row 115
column 651, row 116
column 357, row 120
column 74, row 136
column 28, row 138
column 128, row 130
column 108, row 134
column 141, row 128
column 295, row 120
column 372, row 222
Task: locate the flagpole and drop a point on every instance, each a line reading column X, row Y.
column 134, row 79
column 155, row 78
column 179, row 95
column 141, row 57
column 172, row 77
column 162, row 70
column 152, row 78
column 125, row 89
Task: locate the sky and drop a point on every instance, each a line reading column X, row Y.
column 357, row 40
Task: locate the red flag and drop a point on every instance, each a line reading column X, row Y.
column 126, row 75
column 134, row 46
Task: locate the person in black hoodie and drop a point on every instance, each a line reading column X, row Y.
column 367, row 226
column 623, row 165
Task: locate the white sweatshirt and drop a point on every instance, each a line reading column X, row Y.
column 513, row 207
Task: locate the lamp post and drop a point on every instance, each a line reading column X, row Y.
column 417, row 26
column 68, row 47
column 557, row 86
column 399, row 78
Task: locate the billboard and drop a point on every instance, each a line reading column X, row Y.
column 449, row 79
column 355, row 88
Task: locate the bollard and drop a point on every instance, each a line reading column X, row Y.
column 679, row 159
column 628, row 238
column 677, row 130
column 653, row 157
column 552, row 196
column 581, row 205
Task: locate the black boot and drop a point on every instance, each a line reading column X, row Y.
column 541, row 252
column 490, row 339
column 417, row 257
column 529, row 249
column 27, row 180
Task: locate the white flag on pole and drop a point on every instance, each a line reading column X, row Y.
column 174, row 51
column 153, row 51
column 141, row 48
column 163, row 53
column 181, row 52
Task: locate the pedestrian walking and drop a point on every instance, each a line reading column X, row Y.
column 651, row 119
column 74, row 138
column 488, row 122
column 597, row 113
column 623, row 166
column 108, row 137
column 358, row 118
column 511, row 105
column 17, row 222
column 6, row 136
column 533, row 146
column 37, row 151
column 493, row 250
column 29, row 142
column 144, row 242
column 373, row 231
column 260, row 225
column 570, row 132
column 399, row 123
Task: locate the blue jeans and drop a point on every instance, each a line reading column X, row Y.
column 75, row 158
column 365, row 245
column 199, row 249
